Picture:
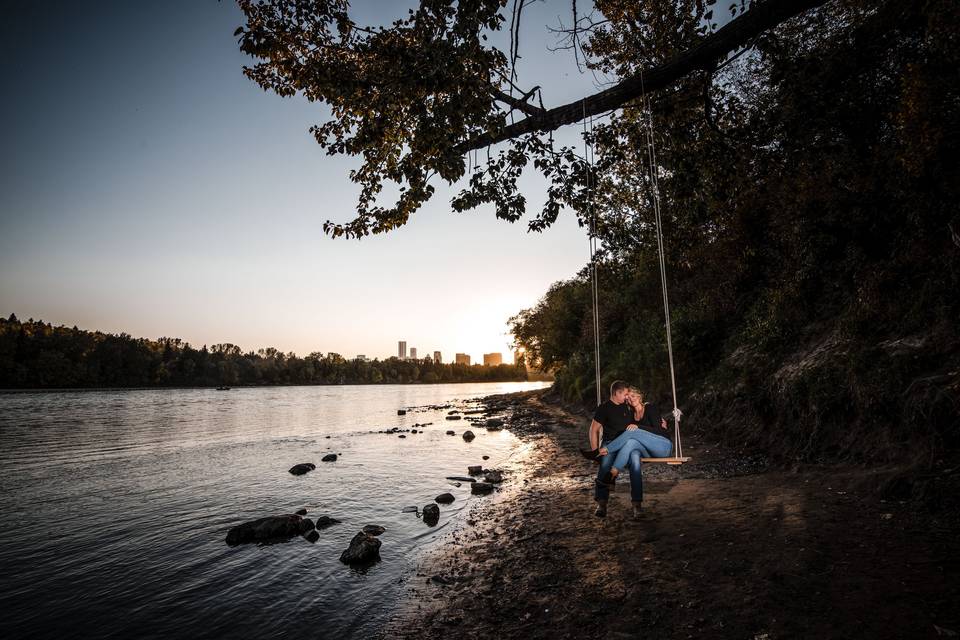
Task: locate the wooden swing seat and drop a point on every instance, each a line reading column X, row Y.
column 670, row 461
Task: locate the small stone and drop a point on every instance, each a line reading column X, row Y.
column 302, row 468
column 461, row 478
column 409, row 510
column 451, row 433
column 431, row 514
column 481, row 488
column 494, row 424
column 475, row 470
column 445, row 498
column 454, row 417
column 401, row 436
column 301, row 512
column 401, row 412
column 493, row 477
column 486, row 457
column 330, row 457
column 468, row 436
column 373, row 529
column 325, row 521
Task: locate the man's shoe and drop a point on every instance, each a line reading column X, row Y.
column 637, row 510
column 601, row 511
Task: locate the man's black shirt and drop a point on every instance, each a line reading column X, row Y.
column 614, row 418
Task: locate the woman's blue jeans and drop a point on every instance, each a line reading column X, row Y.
column 626, row 451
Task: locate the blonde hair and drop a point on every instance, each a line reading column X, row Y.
column 638, row 392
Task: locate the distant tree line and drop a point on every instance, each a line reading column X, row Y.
column 35, row 354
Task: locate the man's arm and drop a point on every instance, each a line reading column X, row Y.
column 595, row 428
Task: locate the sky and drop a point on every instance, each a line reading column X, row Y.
column 148, row 187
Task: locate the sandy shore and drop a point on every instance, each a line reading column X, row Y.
column 728, row 547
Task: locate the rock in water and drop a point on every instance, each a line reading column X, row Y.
column 475, row 470
column 330, row 457
column 481, row 488
column 302, row 468
column 401, row 412
column 493, row 477
column 373, row 529
column 409, row 510
column 468, row 436
column 431, row 514
column 454, row 417
column 363, row 548
column 486, row 457
column 306, row 525
column 445, row 498
column 461, row 478
column 494, row 424
column 451, row 433
column 268, row 528
column 312, row 536
column 326, row 521
column 301, row 512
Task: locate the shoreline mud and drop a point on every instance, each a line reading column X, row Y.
column 728, row 546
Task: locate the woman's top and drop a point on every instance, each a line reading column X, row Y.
column 651, row 421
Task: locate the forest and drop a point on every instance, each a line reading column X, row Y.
column 37, row 355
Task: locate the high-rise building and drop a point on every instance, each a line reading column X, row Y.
column 402, row 349
column 462, row 358
column 413, row 353
column 436, row 357
column 492, row 359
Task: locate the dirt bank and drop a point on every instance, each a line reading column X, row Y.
column 728, row 547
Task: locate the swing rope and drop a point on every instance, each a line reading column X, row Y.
column 592, row 237
column 647, row 116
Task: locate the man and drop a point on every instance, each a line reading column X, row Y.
column 613, row 417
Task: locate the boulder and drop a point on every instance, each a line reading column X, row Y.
column 301, row 512
column 445, row 498
column 325, row 521
column 307, row 525
column 302, row 468
column 468, row 436
column 269, row 528
column 431, row 514
column 493, row 477
column 494, row 423
column 475, row 470
column 363, row 548
column 481, row 488
column 312, row 536
column 373, row 529
column 330, row 457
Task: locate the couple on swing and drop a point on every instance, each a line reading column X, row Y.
column 631, row 430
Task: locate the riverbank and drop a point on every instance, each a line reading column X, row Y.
column 729, row 546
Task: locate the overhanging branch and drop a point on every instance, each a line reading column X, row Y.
column 703, row 55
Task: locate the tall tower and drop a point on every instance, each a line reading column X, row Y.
column 413, row 353
column 436, row 357
column 402, row 349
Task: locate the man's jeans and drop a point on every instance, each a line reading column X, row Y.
column 631, row 446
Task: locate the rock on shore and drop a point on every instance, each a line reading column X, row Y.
column 330, row 457
column 363, row 548
column 431, row 514
column 481, row 488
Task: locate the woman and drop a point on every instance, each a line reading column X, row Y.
column 647, row 436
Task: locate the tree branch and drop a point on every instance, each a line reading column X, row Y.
column 520, row 104
column 702, row 55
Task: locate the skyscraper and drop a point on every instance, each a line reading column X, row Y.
column 413, row 353
column 402, row 349
column 436, row 357
column 462, row 358
column 492, row 359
